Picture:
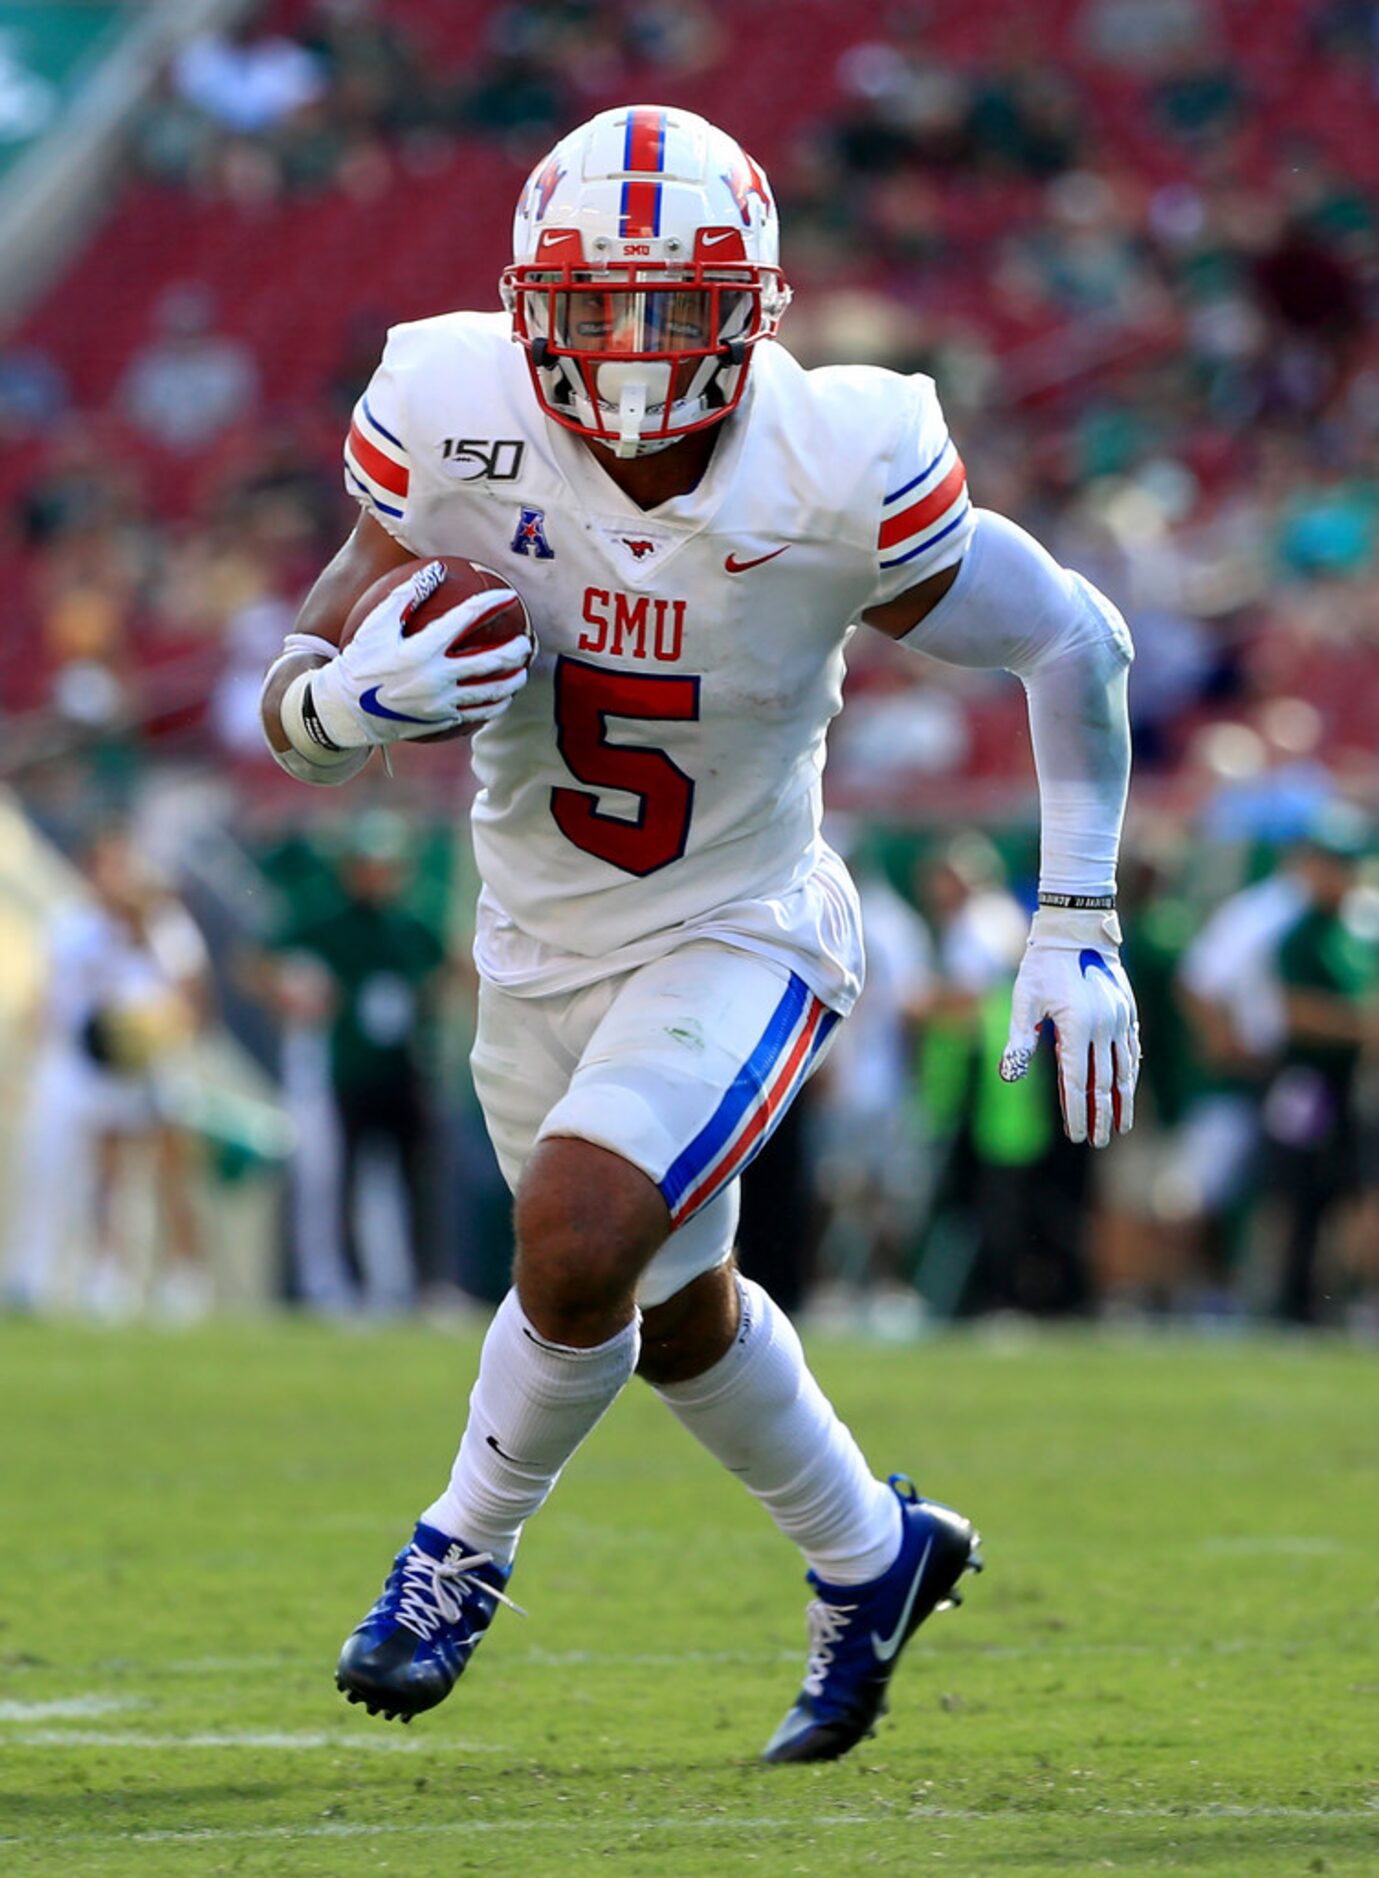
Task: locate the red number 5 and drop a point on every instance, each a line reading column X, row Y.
column 586, row 696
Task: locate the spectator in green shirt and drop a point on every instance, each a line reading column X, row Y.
column 383, row 963
column 1329, row 969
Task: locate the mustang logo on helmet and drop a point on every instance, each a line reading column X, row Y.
column 745, row 181
column 541, row 188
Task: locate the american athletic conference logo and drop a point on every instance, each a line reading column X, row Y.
column 530, row 537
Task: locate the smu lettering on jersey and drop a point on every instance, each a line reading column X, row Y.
column 658, row 777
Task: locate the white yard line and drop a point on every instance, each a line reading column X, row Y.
column 75, row 1707
column 622, row 1824
column 525, row 1659
column 248, row 1738
column 953, row 1652
column 648, row 1659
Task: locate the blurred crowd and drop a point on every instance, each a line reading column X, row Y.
column 909, row 1186
column 253, row 112
column 1145, row 274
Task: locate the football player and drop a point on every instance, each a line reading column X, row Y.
column 665, row 942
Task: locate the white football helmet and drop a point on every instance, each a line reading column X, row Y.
column 645, row 252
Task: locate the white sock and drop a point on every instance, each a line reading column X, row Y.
column 532, row 1405
column 761, row 1413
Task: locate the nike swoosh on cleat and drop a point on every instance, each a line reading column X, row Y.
column 1091, row 961
column 734, row 566
column 369, row 702
column 885, row 1648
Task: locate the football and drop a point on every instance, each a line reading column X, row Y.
column 457, row 580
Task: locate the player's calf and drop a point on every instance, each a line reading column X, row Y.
column 691, row 1331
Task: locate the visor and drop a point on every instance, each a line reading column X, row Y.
column 660, row 322
column 641, row 352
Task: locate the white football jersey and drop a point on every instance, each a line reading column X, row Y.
column 659, row 776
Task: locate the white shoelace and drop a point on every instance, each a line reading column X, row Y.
column 434, row 1590
column 827, row 1622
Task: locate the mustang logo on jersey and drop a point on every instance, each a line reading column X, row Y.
column 638, row 549
column 634, row 629
column 531, row 536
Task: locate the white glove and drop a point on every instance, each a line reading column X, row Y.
column 385, row 687
column 1071, row 974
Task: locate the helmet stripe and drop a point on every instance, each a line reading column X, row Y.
column 644, row 155
column 645, row 148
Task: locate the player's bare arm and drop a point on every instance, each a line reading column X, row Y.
column 368, row 553
column 344, row 684
column 901, row 615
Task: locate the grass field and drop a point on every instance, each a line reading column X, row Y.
column 1169, row 1665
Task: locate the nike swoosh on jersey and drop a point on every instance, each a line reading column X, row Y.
column 734, row 566
column 369, row 702
column 885, row 1648
column 1091, row 961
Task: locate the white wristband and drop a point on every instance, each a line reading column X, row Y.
column 316, row 760
column 308, row 642
column 1071, row 928
column 303, row 770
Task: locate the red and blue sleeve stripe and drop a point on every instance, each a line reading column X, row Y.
column 644, row 153
column 923, row 511
column 376, row 461
column 758, row 1096
column 382, row 429
column 362, row 490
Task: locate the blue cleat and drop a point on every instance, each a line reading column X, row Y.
column 413, row 1646
column 856, row 1632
